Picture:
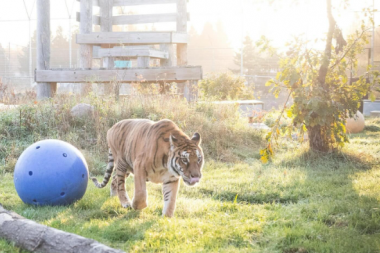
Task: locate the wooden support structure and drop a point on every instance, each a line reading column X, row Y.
column 44, row 89
column 140, row 45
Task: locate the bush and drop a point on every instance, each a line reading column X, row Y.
column 225, row 86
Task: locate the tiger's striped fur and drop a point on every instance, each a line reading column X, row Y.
column 152, row 151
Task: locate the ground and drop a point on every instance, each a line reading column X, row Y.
column 299, row 202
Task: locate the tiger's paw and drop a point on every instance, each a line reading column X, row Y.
column 138, row 205
column 127, row 205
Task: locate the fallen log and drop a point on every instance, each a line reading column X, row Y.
column 35, row 237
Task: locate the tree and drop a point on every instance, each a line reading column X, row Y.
column 320, row 86
column 253, row 61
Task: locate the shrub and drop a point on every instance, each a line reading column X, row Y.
column 225, row 86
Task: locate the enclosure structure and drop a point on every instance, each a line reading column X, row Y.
column 140, row 45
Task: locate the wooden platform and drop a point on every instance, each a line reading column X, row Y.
column 118, row 38
column 168, row 74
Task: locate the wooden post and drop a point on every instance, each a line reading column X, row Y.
column 106, row 26
column 171, row 60
column 167, row 63
column 182, row 48
column 181, row 27
column 143, row 61
column 44, row 90
column 85, row 26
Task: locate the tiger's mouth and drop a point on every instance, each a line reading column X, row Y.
column 192, row 181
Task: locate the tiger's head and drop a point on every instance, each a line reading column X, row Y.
column 186, row 157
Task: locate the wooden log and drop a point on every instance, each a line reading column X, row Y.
column 85, row 27
column 142, row 2
column 44, row 89
column 172, row 74
column 106, row 26
column 115, row 38
column 34, row 237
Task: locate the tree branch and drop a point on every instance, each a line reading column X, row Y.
column 348, row 50
column 326, row 59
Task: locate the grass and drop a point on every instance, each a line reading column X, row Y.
column 301, row 202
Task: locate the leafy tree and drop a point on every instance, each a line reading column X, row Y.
column 253, row 61
column 319, row 83
column 225, row 86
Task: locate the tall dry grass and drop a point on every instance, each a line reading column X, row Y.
column 225, row 135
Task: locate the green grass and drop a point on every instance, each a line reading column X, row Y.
column 301, row 202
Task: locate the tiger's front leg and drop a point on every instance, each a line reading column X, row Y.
column 169, row 190
column 140, row 197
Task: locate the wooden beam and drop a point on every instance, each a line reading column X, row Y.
column 118, row 38
column 95, row 19
column 126, row 52
column 143, row 19
column 142, row 2
column 169, row 74
column 136, row 19
column 94, row 2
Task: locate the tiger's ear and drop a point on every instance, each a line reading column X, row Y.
column 196, row 138
column 173, row 140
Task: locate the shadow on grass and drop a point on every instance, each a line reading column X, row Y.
column 340, row 199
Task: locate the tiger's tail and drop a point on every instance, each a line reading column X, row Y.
column 108, row 173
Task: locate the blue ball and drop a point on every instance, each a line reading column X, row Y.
column 51, row 172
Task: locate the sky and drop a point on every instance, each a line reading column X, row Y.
column 279, row 21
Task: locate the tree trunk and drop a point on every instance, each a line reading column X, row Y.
column 34, row 237
column 318, row 140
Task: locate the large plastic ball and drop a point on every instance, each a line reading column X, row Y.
column 51, row 172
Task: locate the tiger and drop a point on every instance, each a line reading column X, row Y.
column 158, row 152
